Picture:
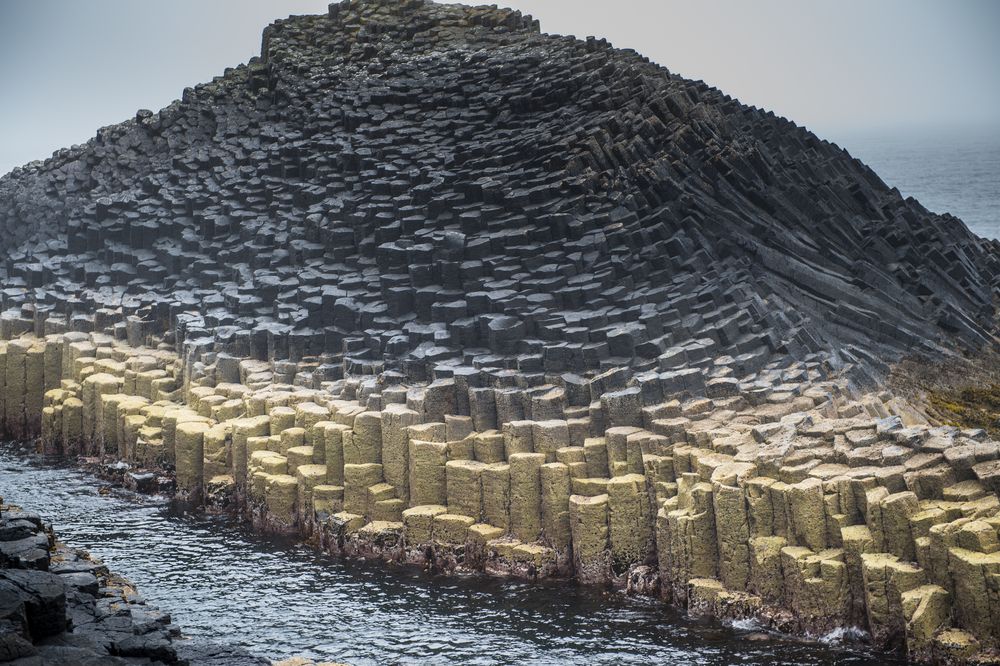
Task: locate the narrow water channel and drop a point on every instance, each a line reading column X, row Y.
column 281, row 599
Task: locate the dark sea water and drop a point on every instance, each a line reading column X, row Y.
column 948, row 171
column 280, row 599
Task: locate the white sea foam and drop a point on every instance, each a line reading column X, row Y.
column 844, row 635
column 748, row 624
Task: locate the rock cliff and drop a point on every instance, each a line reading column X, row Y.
column 400, row 185
column 424, row 284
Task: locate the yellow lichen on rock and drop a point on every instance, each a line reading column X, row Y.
column 819, row 506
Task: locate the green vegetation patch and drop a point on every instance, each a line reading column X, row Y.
column 971, row 407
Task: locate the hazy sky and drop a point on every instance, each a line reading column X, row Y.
column 838, row 67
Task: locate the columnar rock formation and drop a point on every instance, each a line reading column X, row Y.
column 425, row 284
column 402, row 184
column 788, row 498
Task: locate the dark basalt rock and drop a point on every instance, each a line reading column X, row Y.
column 15, row 639
column 31, row 552
column 153, row 646
column 410, row 185
column 79, row 613
column 84, row 582
column 200, row 652
column 44, row 597
column 141, row 482
column 15, row 530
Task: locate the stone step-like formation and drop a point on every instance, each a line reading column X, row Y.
column 425, row 284
column 787, row 498
column 404, row 185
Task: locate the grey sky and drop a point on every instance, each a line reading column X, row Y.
column 835, row 66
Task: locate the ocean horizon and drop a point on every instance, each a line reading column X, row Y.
column 947, row 171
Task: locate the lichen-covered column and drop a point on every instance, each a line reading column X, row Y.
column 464, row 487
column 629, row 520
column 526, row 495
column 589, row 528
column 190, row 445
column 554, row 478
column 396, row 418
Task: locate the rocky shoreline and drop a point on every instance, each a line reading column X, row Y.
column 805, row 505
column 59, row 605
column 423, row 284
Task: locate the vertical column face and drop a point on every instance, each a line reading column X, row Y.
column 623, row 408
column 765, row 579
column 357, row 480
column 596, row 455
column 733, row 531
column 282, row 418
column 548, row 436
column 290, row 439
column 3, row 389
column 281, row 498
column 975, row 588
column 396, row 420
column 308, row 477
column 217, row 461
column 34, row 386
column 509, row 406
column 616, row 440
column 334, row 441
column 94, row 387
column 630, row 521
column 897, row 509
column 368, row 437
column 518, row 438
column 555, row 483
column 130, row 420
column 489, row 447
column 15, row 384
column 589, row 529
column 72, row 425
column 428, row 478
column 526, row 495
column 465, row 488
column 109, row 422
column 496, row 495
column 808, row 513
column 439, row 400
column 457, row 427
column 190, row 446
column 51, row 423
column 308, row 414
column 483, row 408
column 243, row 429
column 418, row 523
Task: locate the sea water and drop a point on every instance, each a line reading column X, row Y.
column 278, row 599
column 953, row 171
